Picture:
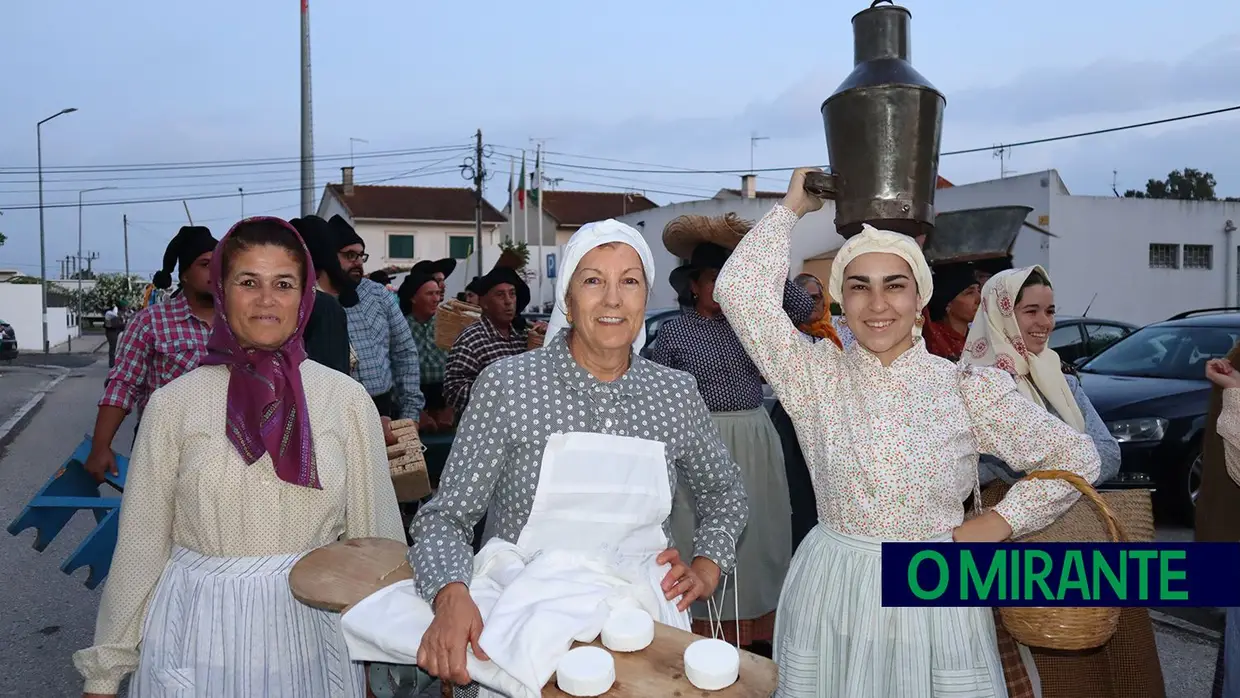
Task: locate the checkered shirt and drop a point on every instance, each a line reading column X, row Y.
column 387, row 356
column 161, row 343
column 431, row 359
column 477, row 347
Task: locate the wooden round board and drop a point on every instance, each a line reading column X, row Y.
column 339, row 575
column 659, row 670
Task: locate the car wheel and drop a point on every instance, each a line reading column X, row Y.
column 1185, row 486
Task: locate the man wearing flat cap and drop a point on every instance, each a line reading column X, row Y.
column 501, row 332
column 386, row 362
column 162, row 342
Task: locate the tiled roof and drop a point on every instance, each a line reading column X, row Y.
column 942, row 183
column 576, row 208
column 403, row 203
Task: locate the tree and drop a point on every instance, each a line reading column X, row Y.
column 108, row 289
column 1188, row 184
column 2, row 239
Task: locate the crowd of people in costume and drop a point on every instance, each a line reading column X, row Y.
column 266, row 383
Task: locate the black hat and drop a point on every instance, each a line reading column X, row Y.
column 344, row 233
column 319, row 240
column 505, row 275
column 472, row 286
column 190, row 243
column 950, row 280
column 706, row 255
column 380, row 277
column 440, row 266
column 414, row 281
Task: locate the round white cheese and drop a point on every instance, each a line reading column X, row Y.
column 586, row 671
column 712, row 665
column 628, row 630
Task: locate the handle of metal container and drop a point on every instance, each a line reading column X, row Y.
column 875, row 3
column 820, row 184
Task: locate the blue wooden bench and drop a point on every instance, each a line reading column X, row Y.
column 71, row 489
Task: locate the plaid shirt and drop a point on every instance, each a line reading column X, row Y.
column 387, row 357
column 431, row 359
column 161, row 343
column 477, row 347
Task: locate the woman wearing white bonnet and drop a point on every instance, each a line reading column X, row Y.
column 891, row 436
column 622, row 418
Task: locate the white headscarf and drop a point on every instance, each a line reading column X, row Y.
column 586, row 238
column 995, row 340
column 871, row 239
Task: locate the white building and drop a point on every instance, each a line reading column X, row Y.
column 403, row 225
column 21, row 306
column 1136, row 260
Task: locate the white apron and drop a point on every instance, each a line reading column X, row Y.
column 594, row 530
column 229, row 627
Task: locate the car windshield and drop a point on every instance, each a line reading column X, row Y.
column 1165, row 351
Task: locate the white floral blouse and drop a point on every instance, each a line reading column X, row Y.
column 893, row 450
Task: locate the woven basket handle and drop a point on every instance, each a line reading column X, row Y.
column 1114, row 529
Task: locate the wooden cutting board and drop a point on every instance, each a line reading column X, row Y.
column 339, row 575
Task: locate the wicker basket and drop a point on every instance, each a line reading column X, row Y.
column 1089, row 520
column 451, row 318
column 534, row 339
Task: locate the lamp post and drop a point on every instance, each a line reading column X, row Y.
column 242, row 193
column 38, row 131
column 79, row 258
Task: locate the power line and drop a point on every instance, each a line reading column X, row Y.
column 982, row 149
column 208, row 197
column 209, row 164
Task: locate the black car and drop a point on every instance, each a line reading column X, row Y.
column 1151, row 390
column 8, row 342
column 1075, row 338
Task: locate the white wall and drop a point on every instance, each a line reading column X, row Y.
column 20, row 306
column 1104, row 249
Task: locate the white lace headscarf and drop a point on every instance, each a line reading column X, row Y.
column 586, row 238
column 871, row 239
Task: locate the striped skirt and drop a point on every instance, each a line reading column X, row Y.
column 229, row 627
column 765, row 546
column 834, row 639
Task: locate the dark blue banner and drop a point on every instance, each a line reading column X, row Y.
column 1061, row 574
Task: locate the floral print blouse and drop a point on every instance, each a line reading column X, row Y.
column 893, row 450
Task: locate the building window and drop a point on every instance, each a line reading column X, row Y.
column 460, row 246
column 400, row 246
column 1164, row 256
column 1199, row 256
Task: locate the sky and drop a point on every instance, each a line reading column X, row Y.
column 192, row 87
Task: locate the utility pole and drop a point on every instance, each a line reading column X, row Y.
column 474, row 169
column 307, row 129
column 128, row 282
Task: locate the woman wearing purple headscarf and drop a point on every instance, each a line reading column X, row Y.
column 242, row 466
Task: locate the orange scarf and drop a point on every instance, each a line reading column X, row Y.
column 823, row 329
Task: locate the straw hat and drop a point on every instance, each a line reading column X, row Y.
column 684, row 234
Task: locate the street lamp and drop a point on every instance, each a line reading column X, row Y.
column 38, row 130
column 242, row 193
column 79, row 258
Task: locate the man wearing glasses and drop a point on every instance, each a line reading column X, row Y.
column 386, row 356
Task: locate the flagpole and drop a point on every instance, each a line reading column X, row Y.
column 512, row 196
column 541, row 259
column 525, row 210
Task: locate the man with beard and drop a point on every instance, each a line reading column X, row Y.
column 161, row 343
column 387, row 357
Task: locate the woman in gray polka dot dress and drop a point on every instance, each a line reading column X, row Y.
column 587, row 385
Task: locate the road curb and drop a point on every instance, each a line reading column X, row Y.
column 12, row 427
column 1168, row 621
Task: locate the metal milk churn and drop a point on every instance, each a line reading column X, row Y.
column 883, row 126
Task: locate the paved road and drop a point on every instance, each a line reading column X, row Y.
column 46, row 615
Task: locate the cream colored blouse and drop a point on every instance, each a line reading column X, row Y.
column 1228, row 428
column 187, row 486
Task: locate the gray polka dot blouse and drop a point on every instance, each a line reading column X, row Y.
column 517, row 403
